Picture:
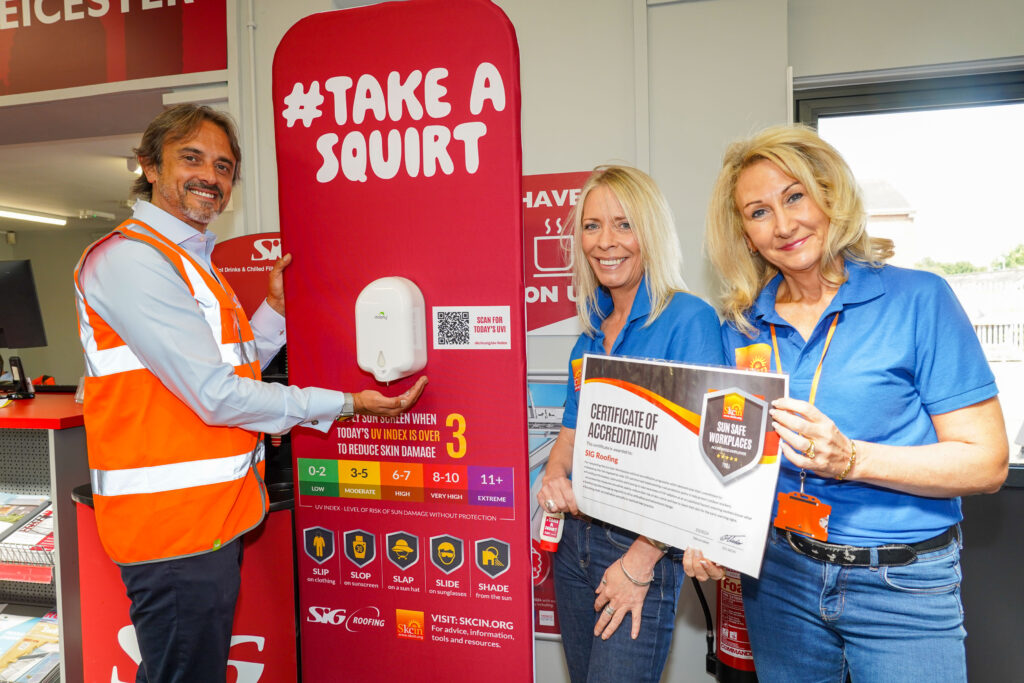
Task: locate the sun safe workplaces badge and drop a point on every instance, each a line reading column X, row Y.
column 732, row 427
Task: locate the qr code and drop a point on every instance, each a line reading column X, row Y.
column 452, row 328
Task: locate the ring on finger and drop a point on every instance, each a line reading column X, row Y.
column 809, row 452
column 549, row 504
column 609, row 610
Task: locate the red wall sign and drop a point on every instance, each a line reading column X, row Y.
column 247, row 261
column 52, row 44
column 397, row 130
column 550, row 301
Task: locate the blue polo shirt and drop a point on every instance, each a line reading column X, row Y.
column 903, row 350
column 686, row 331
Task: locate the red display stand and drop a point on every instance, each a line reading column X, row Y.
column 398, row 149
column 263, row 646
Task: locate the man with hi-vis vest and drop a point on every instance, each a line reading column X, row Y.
column 174, row 406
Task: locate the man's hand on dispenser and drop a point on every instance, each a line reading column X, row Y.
column 372, row 402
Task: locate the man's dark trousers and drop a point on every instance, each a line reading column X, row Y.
column 182, row 610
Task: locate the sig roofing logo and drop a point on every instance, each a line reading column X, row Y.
column 409, row 624
column 363, row 619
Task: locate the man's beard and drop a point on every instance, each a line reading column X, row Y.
column 203, row 216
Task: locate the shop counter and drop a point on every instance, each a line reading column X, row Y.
column 42, row 452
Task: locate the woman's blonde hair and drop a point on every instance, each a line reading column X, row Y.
column 651, row 222
column 799, row 152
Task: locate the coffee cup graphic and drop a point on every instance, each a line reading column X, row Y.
column 549, row 257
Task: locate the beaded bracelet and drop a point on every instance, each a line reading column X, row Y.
column 849, row 465
column 631, row 579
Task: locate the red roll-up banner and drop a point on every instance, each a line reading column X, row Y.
column 399, row 155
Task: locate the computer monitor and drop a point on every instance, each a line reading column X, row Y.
column 21, row 321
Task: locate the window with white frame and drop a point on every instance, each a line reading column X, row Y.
column 940, row 161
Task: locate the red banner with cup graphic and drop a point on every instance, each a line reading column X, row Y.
column 397, row 129
column 550, row 300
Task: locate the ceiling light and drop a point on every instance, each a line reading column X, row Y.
column 86, row 214
column 33, row 217
column 133, row 166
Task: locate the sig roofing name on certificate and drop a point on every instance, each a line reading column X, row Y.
column 683, row 454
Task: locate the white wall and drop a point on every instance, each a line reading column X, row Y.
column 271, row 20
column 717, row 72
column 839, row 36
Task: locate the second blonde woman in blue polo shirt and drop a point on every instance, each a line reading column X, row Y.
column 616, row 592
column 892, row 416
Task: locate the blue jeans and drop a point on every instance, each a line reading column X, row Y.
column 585, row 551
column 814, row 621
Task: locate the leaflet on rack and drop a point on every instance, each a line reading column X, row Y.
column 30, row 647
column 16, row 509
column 35, row 535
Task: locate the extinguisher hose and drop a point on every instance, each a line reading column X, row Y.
column 710, row 633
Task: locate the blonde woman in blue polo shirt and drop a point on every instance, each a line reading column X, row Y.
column 616, row 591
column 892, row 416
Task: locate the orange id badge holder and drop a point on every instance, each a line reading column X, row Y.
column 803, row 514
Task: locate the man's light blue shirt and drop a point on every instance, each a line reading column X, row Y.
column 144, row 299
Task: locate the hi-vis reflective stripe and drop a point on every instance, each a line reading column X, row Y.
column 122, row 359
column 207, row 300
column 238, row 354
column 182, row 475
column 100, row 363
column 107, row 361
column 111, row 361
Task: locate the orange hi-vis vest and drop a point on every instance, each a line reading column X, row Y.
column 165, row 484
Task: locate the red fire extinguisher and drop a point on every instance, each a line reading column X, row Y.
column 730, row 661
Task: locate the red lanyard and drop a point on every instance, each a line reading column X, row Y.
column 817, row 372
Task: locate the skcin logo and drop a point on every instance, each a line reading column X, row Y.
column 409, row 624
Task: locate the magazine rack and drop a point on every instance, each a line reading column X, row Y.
column 13, row 553
column 42, row 451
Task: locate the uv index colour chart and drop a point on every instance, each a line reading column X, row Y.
column 414, row 434
column 412, row 482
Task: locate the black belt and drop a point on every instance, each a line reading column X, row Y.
column 891, row 555
column 587, row 519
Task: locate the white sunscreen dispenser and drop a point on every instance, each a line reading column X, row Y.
column 391, row 330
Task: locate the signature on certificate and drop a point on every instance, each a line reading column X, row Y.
column 732, row 539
